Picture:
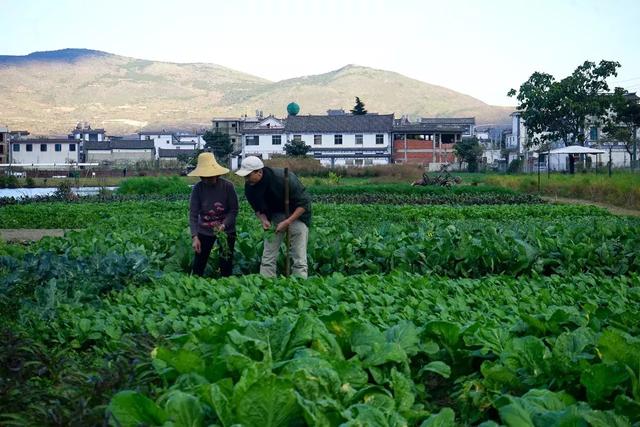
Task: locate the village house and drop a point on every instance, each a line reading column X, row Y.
column 344, row 139
column 45, row 152
column 172, row 140
column 119, row 152
column 264, row 139
column 429, row 142
column 235, row 126
column 5, row 136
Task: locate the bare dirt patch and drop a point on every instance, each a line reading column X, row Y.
column 29, row 235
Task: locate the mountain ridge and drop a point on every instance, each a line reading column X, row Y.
column 48, row 92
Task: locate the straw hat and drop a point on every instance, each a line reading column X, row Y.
column 208, row 166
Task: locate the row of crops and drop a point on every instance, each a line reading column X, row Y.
column 417, row 314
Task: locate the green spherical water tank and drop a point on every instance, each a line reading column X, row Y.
column 293, row 109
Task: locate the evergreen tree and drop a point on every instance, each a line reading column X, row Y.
column 219, row 144
column 296, row 148
column 358, row 109
column 469, row 150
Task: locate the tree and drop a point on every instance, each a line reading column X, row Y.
column 296, row 148
column 358, row 109
column 560, row 110
column 219, row 144
column 469, row 150
column 186, row 158
column 624, row 120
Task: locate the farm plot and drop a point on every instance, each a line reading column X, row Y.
column 512, row 314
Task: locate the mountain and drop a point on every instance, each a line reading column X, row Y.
column 47, row 93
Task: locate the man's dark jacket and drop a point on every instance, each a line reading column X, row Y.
column 267, row 196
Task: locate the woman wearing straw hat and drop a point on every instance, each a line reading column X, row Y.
column 213, row 209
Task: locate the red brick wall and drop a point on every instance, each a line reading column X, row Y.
column 416, row 154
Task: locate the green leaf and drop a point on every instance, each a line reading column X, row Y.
column 437, row 367
column 615, row 346
column 381, row 354
column 403, row 392
column 269, row 402
column 447, row 332
column 515, row 415
column 444, row 418
column 361, row 415
column 130, row 408
column 184, row 361
column 628, row 407
column 219, row 396
column 184, row 409
column 405, row 334
column 602, row 379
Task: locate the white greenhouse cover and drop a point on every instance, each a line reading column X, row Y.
column 576, row 149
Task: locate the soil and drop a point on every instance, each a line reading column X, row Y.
column 29, row 235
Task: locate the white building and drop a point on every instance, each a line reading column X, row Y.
column 336, row 140
column 83, row 132
column 119, row 151
column 264, row 139
column 163, row 140
column 45, row 151
column 189, row 141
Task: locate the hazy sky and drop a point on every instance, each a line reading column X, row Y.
column 481, row 48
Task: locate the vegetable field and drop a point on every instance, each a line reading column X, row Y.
column 423, row 308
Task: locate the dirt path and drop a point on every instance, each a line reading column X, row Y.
column 613, row 209
column 28, row 234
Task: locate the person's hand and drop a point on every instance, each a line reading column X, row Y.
column 266, row 224
column 282, row 226
column 195, row 243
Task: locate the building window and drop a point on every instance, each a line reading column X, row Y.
column 317, row 139
column 72, row 147
column 29, row 147
column 348, row 162
column 337, row 139
column 58, row 147
column 359, row 162
column 593, row 133
column 253, row 140
column 16, row 147
column 368, row 162
column 233, row 140
column 43, row 147
column 358, row 139
column 379, row 138
column 297, row 138
column 276, row 139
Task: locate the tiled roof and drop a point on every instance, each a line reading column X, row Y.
column 449, row 120
column 429, row 128
column 263, row 131
column 169, row 152
column 46, row 141
column 121, row 144
column 349, row 123
column 91, row 131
